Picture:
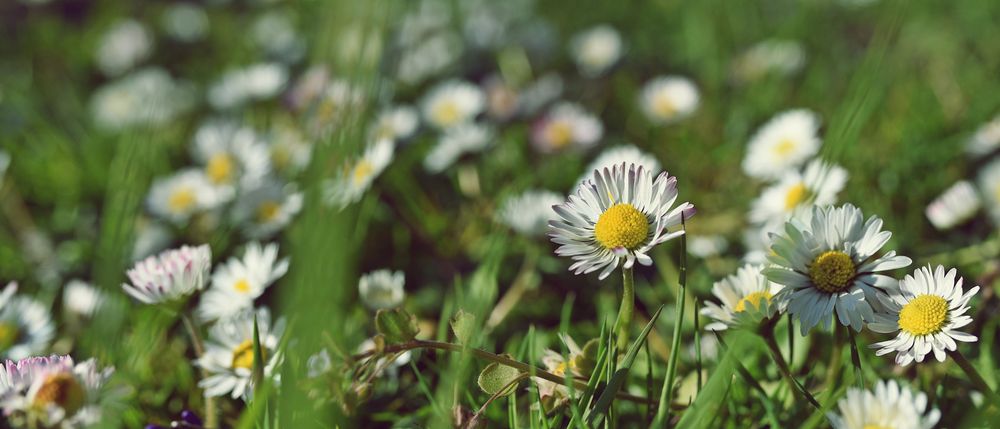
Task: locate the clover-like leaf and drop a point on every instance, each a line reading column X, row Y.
column 396, row 325
column 497, row 378
column 463, row 325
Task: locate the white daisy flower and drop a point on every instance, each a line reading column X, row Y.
column 144, row 97
column 557, row 364
column 356, row 178
column 889, row 406
column 817, row 185
column 240, row 86
column 26, row 327
column 188, row 192
column 596, row 50
column 267, row 209
column 926, row 311
column 627, row 154
column 986, row 139
column 747, row 298
column 452, row 103
column 231, row 154
column 830, row 264
column 238, row 282
column 396, row 123
column 185, row 22
column 989, row 186
column 780, row 57
column 953, row 207
column 618, row 216
column 783, row 143
column 566, row 125
column 457, row 141
column 123, row 46
column 667, row 99
column 81, row 298
column 229, row 357
column 290, row 151
column 337, row 100
column 52, row 391
column 382, row 289
column 275, row 33
column 150, row 237
column 530, row 212
column 169, row 276
column 707, row 246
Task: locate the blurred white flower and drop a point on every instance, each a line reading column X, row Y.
column 318, row 364
column 81, row 298
column 232, row 155
column 123, row 46
column 335, row 102
column 954, row 206
column 169, row 276
column 53, row 392
column 26, row 327
column 188, row 192
column 238, row 282
column 275, row 33
column 597, row 49
column 185, row 22
column 668, row 99
column 989, row 186
column 777, row 56
column 783, row 143
column 889, row 406
column 456, row 141
column 229, row 356
column 256, row 82
column 426, row 42
column 267, row 209
column 566, row 125
column 144, row 97
column 530, row 212
column 382, row 289
column 395, row 123
column 4, row 163
column 986, row 139
column 290, row 151
column 452, row 103
column 818, row 184
column 355, row 178
column 706, row 246
column 150, row 237
column 540, row 93
column 627, row 154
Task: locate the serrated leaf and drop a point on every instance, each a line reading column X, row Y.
column 496, row 377
column 396, row 325
column 463, row 325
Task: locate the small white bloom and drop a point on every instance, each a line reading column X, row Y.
column 229, row 357
column 290, row 151
column 457, row 141
column 124, row 45
column 452, row 103
column 989, row 186
column 188, row 192
column 150, row 237
column 747, row 298
column 52, row 391
column 783, row 143
column 144, row 97
column 817, row 185
column 707, row 246
column 169, row 276
column 986, row 139
column 382, row 289
column 267, row 209
column 82, row 298
column 352, row 182
column 953, row 207
column 396, row 123
column 318, row 364
column 232, row 155
column 240, row 86
column 275, row 33
column 335, row 102
column 596, row 50
column 667, row 99
column 889, row 406
column 780, row 57
column 627, row 154
column 925, row 312
column 26, row 327
column 530, row 212
column 392, row 367
column 238, row 282
column 185, row 22
column 566, row 125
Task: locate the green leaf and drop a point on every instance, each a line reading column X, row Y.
column 396, row 325
column 463, row 325
column 498, row 379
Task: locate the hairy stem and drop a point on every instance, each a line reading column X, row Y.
column 625, row 310
column 975, row 377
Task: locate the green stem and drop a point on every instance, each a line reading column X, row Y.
column 856, row 359
column 211, row 415
column 625, row 310
column 666, row 394
column 975, row 377
column 767, row 332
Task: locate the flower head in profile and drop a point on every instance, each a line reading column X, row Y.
column 238, row 282
column 668, row 99
column 229, row 356
column 597, row 49
column 783, row 143
column 529, row 213
column 830, row 265
column 925, row 313
column 889, row 406
column 566, row 125
column 382, row 289
column 618, row 216
column 956, row 205
column 351, row 183
column 818, row 184
column 52, row 391
column 747, row 298
column 170, row 276
column 452, row 103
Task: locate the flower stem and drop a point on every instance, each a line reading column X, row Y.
column 667, row 392
column 856, row 359
column 975, row 377
column 767, row 332
column 625, row 310
column 211, row 416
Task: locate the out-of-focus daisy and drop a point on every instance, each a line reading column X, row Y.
column 457, row 141
column 255, row 82
column 123, row 46
column 530, row 212
column 565, row 125
column 597, row 49
column 267, row 209
column 889, row 406
column 308, row 87
column 357, row 177
column 560, row 365
column 985, row 139
column 831, row 265
column 275, row 33
column 145, row 97
column 627, row 154
column 382, row 289
column 238, row 282
column 176, row 198
column 667, row 99
column 452, row 103
column 319, row 364
column 185, row 22
column 747, row 298
column 396, row 123
column 169, row 276
column 989, row 186
column 26, row 327
column 540, row 93
column 817, row 185
column 229, row 357
column 52, row 391
column 231, row 154
column 780, row 57
column 956, row 205
column 4, row 163
column 150, row 237
column 7, row 294
column 81, row 298
column 783, row 143
column 382, row 363
column 337, row 100
column 290, row 151
column 706, row 246
column 426, row 41
column 618, row 216
column 925, row 312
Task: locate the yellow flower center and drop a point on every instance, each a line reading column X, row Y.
column 243, row 355
column 559, row 134
column 181, row 199
column 63, row 390
column 362, row 170
column 876, row 427
column 9, row 334
column 446, row 113
column 832, row 271
column 242, row 285
column 281, row 157
column 754, row 299
column 220, row 168
column 796, row 195
column 267, row 211
column 664, row 106
column 784, row 147
column 924, row 315
column 621, row 226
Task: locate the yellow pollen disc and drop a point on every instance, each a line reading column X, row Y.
column 559, row 134
column 63, row 390
column 181, row 199
column 220, row 168
column 267, row 211
column 876, row 427
column 446, row 113
column 362, row 170
column 243, row 355
column 560, row 369
column 784, row 147
column 621, row 226
column 754, row 299
column 796, row 195
column 924, row 315
column 664, row 106
column 832, row 271
column 9, row 333
column 242, row 285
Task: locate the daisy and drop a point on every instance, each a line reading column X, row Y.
column 452, row 103
column 229, row 356
column 290, row 152
column 989, row 185
column 985, row 139
column 144, row 97
column 238, row 282
column 889, row 406
column 830, row 264
column 747, row 298
column 231, row 155
column 817, row 185
column 52, row 391
column 457, row 141
column 773, row 56
column 255, row 82
column 628, row 154
column 396, row 123
column 274, row 32
column 169, row 276
column 185, row 22
column 188, row 192
column 556, row 363
column 783, row 143
column 382, row 289
column 267, row 209
column 596, row 50
column 150, row 237
column 707, row 246
column 926, row 312
column 953, row 207
column 529, row 213
column 667, row 99
column 336, row 101
column 618, row 216
column 357, row 177
column 26, row 327
column 123, row 46
column 566, row 125
column 81, row 298
column 540, row 93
